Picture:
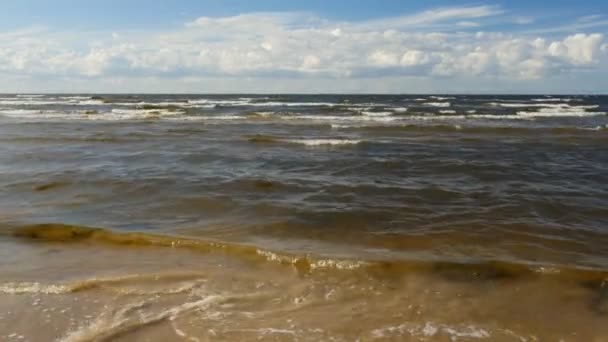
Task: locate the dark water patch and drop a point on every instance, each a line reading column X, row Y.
column 263, row 139
column 70, row 139
column 201, row 205
column 186, row 131
column 264, row 184
column 167, row 107
column 49, row 186
column 491, row 271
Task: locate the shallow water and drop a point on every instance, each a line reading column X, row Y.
column 244, row 217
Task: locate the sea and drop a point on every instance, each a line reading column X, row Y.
column 244, row 217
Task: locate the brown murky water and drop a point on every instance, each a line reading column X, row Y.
column 303, row 218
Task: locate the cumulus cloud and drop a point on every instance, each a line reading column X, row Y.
column 579, row 49
column 295, row 45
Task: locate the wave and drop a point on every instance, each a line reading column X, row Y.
column 31, row 102
column 303, row 263
column 30, row 95
column 321, row 142
column 75, row 97
column 261, row 115
column 266, row 139
column 336, row 121
column 340, row 118
column 120, row 285
column 366, row 113
column 561, row 106
column 442, row 98
column 597, row 128
column 438, row 104
column 430, row 329
column 46, row 114
column 121, row 322
column 293, row 104
column 399, row 109
column 477, row 129
column 257, row 103
column 66, row 101
column 553, row 99
column 263, row 139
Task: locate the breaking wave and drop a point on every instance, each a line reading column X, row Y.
column 303, row 263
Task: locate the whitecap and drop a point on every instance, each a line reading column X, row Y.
column 293, row 104
column 399, row 109
column 75, row 97
column 438, row 104
column 366, row 113
column 563, row 106
column 552, row 99
column 91, row 103
column 321, row 142
column 31, row 102
column 548, row 113
column 441, row 98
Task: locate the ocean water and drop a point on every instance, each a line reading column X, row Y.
column 303, row 217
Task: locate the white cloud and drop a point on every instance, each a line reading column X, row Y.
column 293, row 46
column 383, row 58
column 414, row 57
column 435, row 16
column 467, row 24
column 580, row 49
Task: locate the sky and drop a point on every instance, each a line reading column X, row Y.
column 316, row 46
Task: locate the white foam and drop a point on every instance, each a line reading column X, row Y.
column 562, row 106
column 399, row 109
column 31, row 114
column 292, row 104
column 321, row 142
column 598, row 128
column 75, row 97
column 552, row 99
column 263, row 114
column 547, row 113
column 431, row 329
column 220, row 117
column 19, row 112
column 109, row 325
column 366, row 113
column 359, row 109
column 127, row 114
column 34, row 288
column 210, row 103
column 447, row 111
column 31, row 102
column 91, row 103
column 438, row 104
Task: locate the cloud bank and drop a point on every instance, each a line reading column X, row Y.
column 434, row 50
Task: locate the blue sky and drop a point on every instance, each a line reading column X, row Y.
column 304, row 46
